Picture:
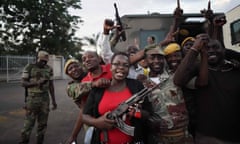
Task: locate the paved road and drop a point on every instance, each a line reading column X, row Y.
column 60, row 123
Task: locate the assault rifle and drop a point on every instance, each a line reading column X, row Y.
column 119, row 22
column 122, row 108
column 208, row 14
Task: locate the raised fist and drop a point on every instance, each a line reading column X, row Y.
column 219, row 20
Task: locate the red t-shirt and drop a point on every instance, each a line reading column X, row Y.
column 106, row 73
column 109, row 102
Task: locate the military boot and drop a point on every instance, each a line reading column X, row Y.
column 40, row 139
column 24, row 139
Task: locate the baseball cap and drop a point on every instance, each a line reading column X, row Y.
column 153, row 49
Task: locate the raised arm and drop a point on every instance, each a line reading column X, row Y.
column 103, row 45
column 188, row 67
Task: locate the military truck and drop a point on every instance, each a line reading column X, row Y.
column 140, row 26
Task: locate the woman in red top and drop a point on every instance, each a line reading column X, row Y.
column 102, row 101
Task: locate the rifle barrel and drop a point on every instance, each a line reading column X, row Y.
column 209, row 5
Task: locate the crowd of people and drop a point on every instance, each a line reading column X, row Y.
column 193, row 99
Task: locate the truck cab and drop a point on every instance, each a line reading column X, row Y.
column 139, row 27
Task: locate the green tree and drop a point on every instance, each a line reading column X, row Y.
column 31, row 25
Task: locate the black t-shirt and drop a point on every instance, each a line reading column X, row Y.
column 218, row 106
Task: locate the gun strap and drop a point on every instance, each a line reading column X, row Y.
column 105, row 137
column 26, row 89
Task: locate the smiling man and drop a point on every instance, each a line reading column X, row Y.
column 217, row 97
column 97, row 76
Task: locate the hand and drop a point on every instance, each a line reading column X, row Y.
column 149, row 84
column 54, row 105
column 104, row 123
column 131, row 111
column 170, row 37
column 201, row 41
column 219, row 20
column 141, row 77
column 71, row 140
column 178, row 12
column 41, row 82
column 101, row 83
column 107, row 26
column 208, row 14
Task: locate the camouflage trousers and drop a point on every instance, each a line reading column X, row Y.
column 159, row 139
column 37, row 109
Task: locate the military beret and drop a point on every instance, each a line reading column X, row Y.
column 171, row 48
column 187, row 39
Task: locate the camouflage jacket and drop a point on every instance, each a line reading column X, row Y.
column 33, row 73
column 168, row 106
column 77, row 90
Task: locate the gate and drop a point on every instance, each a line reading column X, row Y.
column 11, row 67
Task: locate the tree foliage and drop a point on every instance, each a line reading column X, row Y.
column 31, row 25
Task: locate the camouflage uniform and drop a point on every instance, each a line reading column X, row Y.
column 37, row 101
column 78, row 91
column 170, row 117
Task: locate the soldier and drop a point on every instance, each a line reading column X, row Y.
column 74, row 70
column 78, row 91
column 38, row 80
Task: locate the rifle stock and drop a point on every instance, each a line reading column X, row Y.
column 119, row 22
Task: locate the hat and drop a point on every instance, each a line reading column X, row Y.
column 43, row 55
column 154, row 49
column 70, row 61
column 187, row 39
column 171, row 48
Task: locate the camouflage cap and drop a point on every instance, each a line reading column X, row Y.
column 43, row 55
column 153, row 49
column 72, row 60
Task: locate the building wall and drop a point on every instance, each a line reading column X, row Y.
column 57, row 63
column 231, row 16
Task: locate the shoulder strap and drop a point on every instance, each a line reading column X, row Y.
column 30, row 70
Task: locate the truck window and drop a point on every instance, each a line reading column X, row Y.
column 235, row 32
column 158, row 34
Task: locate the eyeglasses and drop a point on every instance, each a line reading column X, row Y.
column 125, row 65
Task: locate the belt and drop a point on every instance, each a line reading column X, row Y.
column 122, row 143
column 173, row 133
column 38, row 94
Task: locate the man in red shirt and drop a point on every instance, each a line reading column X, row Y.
column 100, row 74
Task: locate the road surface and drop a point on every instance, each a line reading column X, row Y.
column 60, row 123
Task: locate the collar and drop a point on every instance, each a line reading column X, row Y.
column 104, row 68
column 227, row 66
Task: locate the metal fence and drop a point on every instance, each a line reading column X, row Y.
column 11, row 67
